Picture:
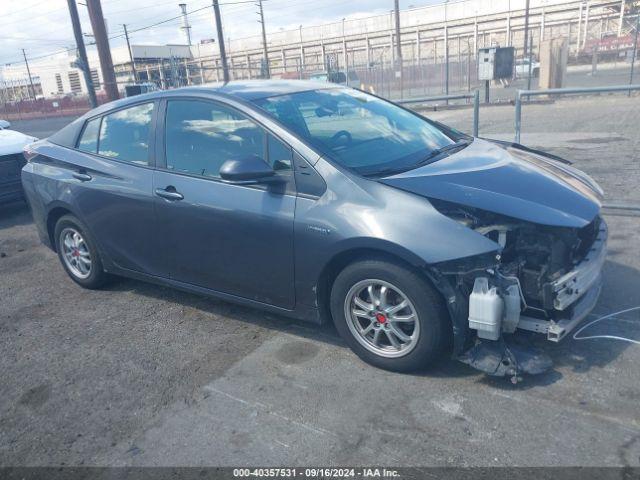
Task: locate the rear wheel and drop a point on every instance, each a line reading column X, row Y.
column 389, row 315
column 78, row 253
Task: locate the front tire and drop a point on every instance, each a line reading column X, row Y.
column 78, row 253
column 390, row 316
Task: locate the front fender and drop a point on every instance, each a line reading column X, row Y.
column 356, row 213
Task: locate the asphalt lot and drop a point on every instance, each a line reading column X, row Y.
column 136, row 374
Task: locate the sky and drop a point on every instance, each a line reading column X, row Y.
column 43, row 27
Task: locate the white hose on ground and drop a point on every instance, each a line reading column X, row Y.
column 611, row 337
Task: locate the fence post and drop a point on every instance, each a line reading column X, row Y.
column 476, row 112
column 518, row 114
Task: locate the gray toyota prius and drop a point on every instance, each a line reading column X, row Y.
column 326, row 203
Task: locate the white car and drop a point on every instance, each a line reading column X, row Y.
column 4, row 124
column 522, row 68
column 11, row 163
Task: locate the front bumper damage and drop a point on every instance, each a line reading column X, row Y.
column 574, row 294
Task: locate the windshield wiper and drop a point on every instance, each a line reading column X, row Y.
column 452, row 147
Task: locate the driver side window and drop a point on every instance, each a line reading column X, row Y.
column 200, row 136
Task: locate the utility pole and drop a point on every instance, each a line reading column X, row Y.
column 396, row 6
column 264, row 40
column 526, row 30
column 223, row 53
column 33, row 90
column 133, row 64
column 82, row 53
column 104, row 53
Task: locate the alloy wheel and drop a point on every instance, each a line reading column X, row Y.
column 75, row 252
column 382, row 318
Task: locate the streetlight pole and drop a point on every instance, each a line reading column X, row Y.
column 223, row 53
column 635, row 49
column 133, row 64
column 526, row 30
column 264, row 41
column 33, row 90
column 396, row 6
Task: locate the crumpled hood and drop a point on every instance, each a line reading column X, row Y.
column 507, row 181
column 13, row 142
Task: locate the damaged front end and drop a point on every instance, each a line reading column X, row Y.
column 543, row 279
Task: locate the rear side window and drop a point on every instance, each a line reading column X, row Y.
column 89, row 138
column 124, row 135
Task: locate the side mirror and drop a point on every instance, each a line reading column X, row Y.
column 252, row 169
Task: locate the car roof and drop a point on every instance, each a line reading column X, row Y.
column 247, row 90
column 244, row 90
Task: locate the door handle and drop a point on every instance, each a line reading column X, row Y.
column 83, row 177
column 169, row 194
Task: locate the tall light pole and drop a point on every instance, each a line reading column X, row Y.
column 104, row 52
column 133, row 64
column 344, row 47
column 635, row 48
column 396, row 6
column 264, row 41
column 301, row 53
column 223, row 53
column 82, row 53
column 33, row 90
column 526, row 30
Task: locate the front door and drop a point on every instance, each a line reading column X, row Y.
column 234, row 239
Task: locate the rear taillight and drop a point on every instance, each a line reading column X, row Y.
column 29, row 154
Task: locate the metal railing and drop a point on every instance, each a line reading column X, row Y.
column 475, row 96
column 562, row 91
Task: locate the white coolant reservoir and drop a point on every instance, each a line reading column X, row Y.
column 485, row 309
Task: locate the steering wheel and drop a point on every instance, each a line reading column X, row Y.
column 340, row 134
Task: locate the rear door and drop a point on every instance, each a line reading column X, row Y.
column 235, row 239
column 110, row 177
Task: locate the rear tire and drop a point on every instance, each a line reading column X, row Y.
column 368, row 296
column 78, row 253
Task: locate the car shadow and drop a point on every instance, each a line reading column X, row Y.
column 14, row 214
column 575, row 355
column 216, row 307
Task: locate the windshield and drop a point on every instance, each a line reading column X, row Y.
column 356, row 130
